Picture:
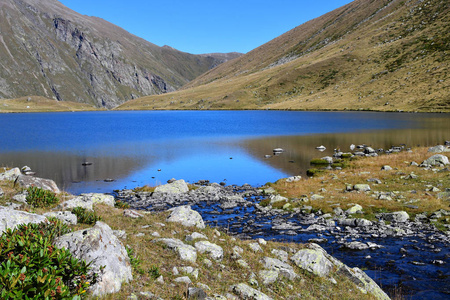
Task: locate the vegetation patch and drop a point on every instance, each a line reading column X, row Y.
column 32, row 268
column 38, row 197
column 85, row 216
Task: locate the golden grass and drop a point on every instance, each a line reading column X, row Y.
column 360, row 170
column 41, row 104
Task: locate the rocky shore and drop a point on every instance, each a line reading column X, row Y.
column 181, row 253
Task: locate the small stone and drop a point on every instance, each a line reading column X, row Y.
column 184, row 279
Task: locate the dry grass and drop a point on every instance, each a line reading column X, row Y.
column 41, row 104
column 407, row 191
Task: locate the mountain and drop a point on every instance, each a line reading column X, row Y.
column 48, row 50
column 383, row 55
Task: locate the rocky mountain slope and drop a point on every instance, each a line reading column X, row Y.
column 48, row 50
column 379, row 54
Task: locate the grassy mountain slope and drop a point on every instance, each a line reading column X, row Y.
column 48, row 50
column 379, row 54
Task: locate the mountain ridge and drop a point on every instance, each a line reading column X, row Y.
column 49, row 50
column 385, row 55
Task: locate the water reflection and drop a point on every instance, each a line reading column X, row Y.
column 138, row 148
column 299, row 150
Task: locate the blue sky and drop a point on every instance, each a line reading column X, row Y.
column 202, row 26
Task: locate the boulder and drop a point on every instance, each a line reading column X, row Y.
column 363, row 282
column 196, row 293
column 129, row 213
column 361, row 187
column 10, row 175
column 268, row 276
column 386, row 168
column 277, row 198
column 10, row 218
column 108, row 257
column 213, row 250
column 45, row 184
column 80, row 201
column 175, row 187
column 398, row 216
column 185, row 252
column 280, row 267
column 65, row 216
column 314, row 261
column 435, row 160
column 439, row 149
column 294, row 178
column 98, row 198
column 186, row 216
column 354, row 209
column 246, row 292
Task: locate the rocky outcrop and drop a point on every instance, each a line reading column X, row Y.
column 57, row 53
column 87, row 201
column 64, row 216
column 10, row 218
column 45, row 184
column 108, row 257
column 175, row 187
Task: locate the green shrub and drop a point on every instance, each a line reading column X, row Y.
column 154, row 272
column 38, row 197
column 135, row 261
column 32, row 268
column 264, row 202
column 121, row 204
column 85, row 216
column 319, row 161
column 313, row 172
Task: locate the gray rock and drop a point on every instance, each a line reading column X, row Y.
column 79, row 201
column 129, row 213
column 361, row 187
column 356, row 246
column 294, row 178
column 439, row 148
column 45, row 184
column 100, row 246
column 398, row 216
column 10, row 218
column 196, row 236
column 386, row 168
column 1, row 192
column 98, row 198
column 354, row 209
column 196, row 293
column 268, row 276
column 281, row 254
column 22, row 198
column 363, row 282
column 185, row 252
column 120, row 234
column 183, row 279
column 314, row 261
column 277, row 198
column 65, row 216
column 436, row 160
column 213, row 250
column 255, row 247
column 248, row 293
column 317, row 197
column 280, row 267
column 176, row 187
column 10, row 175
column 186, row 216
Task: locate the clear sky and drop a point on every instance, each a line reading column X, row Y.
column 201, row 26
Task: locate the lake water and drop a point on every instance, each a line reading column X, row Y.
column 150, row 147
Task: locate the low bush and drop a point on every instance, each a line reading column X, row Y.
column 38, row 197
column 85, row 216
column 121, row 204
column 32, row 268
column 319, row 161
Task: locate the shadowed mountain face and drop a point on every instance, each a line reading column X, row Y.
column 48, row 50
column 383, row 55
